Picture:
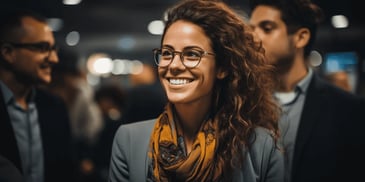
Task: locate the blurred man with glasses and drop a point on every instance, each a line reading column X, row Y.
column 34, row 125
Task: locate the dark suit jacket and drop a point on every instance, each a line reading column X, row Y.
column 58, row 147
column 327, row 135
column 8, row 171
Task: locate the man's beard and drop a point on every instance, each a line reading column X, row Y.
column 284, row 63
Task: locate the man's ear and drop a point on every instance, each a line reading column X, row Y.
column 221, row 74
column 6, row 52
column 302, row 37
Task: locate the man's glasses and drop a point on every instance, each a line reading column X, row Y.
column 190, row 58
column 42, row 47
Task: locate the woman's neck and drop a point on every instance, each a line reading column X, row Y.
column 189, row 118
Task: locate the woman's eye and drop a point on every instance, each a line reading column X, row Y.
column 191, row 54
column 166, row 53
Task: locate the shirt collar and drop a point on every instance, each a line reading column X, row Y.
column 288, row 98
column 7, row 93
column 9, row 96
column 304, row 83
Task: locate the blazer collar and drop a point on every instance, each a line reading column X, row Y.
column 313, row 105
column 8, row 144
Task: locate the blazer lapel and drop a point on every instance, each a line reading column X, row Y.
column 9, row 148
column 311, row 110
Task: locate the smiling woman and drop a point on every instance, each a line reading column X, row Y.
column 220, row 122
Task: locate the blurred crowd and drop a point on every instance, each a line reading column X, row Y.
column 96, row 112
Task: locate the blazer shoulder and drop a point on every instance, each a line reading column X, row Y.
column 129, row 151
column 136, row 132
column 139, row 126
column 266, row 157
column 262, row 137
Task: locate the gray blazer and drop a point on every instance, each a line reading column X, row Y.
column 129, row 160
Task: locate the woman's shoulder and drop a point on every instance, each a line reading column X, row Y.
column 262, row 135
column 263, row 148
column 137, row 130
column 262, row 140
column 265, row 161
column 129, row 151
column 139, row 125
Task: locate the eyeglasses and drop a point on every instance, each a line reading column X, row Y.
column 42, row 47
column 190, row 57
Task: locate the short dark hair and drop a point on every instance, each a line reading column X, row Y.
column 296, row 14
column 12, row 19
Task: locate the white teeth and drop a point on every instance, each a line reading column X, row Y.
column 179, row 81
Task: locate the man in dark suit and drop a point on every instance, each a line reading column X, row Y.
column 34, row 125
column 320, row 123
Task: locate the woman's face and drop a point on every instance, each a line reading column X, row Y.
column 187, row 85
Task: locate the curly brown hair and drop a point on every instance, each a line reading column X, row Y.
column 243, row 99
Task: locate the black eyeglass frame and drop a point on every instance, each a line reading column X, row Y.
column 157, row 51
column 42, row 47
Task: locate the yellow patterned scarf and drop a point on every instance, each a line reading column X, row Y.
column 169, row 161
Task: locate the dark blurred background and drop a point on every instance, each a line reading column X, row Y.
column 106, row 73
column 118, row 30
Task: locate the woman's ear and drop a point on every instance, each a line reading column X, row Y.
column 302, row 37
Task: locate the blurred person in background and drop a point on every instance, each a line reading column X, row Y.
column 340, row 79
column 319, row 124
column 34, row 124
column 111, row 99
column 220, row 121
column 145, row 97
column 70, row 83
